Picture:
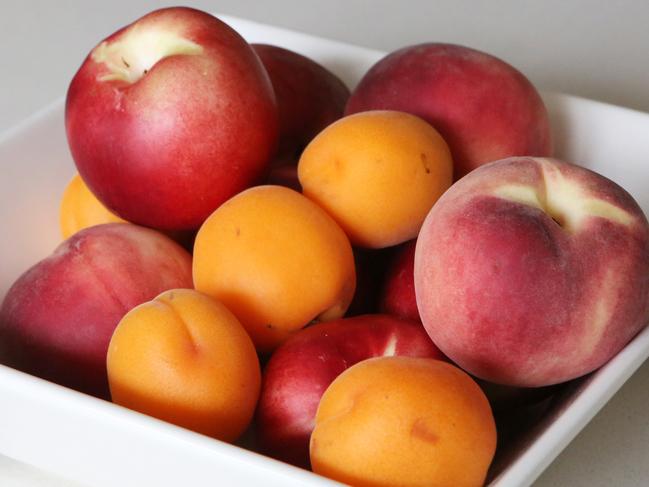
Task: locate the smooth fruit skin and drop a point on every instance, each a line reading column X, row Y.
column 81, row 209
column 193, row 130
column 531, row 272
column 185, row 358
column 377, row 173
column 302, row 368
column 398, row 293
column 484, row 108
column 277, row 261
column 402, row 421
column 58, row 317
column 309, row 96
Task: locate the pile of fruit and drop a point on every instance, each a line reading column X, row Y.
column 358, row 280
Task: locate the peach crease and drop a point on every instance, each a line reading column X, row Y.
column 562, row 200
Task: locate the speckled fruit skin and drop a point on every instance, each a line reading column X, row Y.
column 309, row 97
column 483, row 107
column 377, row 173
column 57, row 319
column 167, row 150
column 531, row 272
column 302, row 368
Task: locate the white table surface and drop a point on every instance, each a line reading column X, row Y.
column 593, row 48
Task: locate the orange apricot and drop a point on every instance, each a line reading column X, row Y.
column 184, row 358
column 81, row 209
column 277, row 260
column 378, row 174
column 400, row 421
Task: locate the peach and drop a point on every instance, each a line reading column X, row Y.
column 58, row 317
column 378, row 174
column 309, row 97
column 483, row 107
column 81, row 209
column 302, row 368
column 169, row 117
column 398, row 293
column 277, row 261
column 186, row 359
column 531, row 271
column 403, row 421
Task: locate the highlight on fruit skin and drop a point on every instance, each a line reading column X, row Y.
column 185, row 358
column 403, row 421
column 81, row 209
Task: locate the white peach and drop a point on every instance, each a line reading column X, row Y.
column 533, row 271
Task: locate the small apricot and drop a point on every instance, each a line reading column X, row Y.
column 277, row 261
column 401, row 421
column 81, row 209
column 185, row 358
column 378, row 174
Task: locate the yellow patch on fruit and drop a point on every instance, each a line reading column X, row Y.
column 138, row 49
column 525, row 195
column 81, row 209
column 564, row 200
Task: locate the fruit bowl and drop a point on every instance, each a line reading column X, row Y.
column 95, row 442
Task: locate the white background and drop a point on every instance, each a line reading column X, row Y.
column 597, row 49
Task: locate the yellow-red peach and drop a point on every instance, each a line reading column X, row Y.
column 58, row 317
column 169, row 117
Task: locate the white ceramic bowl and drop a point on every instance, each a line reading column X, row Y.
column 97, row 443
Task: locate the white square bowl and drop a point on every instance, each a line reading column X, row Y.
column 94, row 442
